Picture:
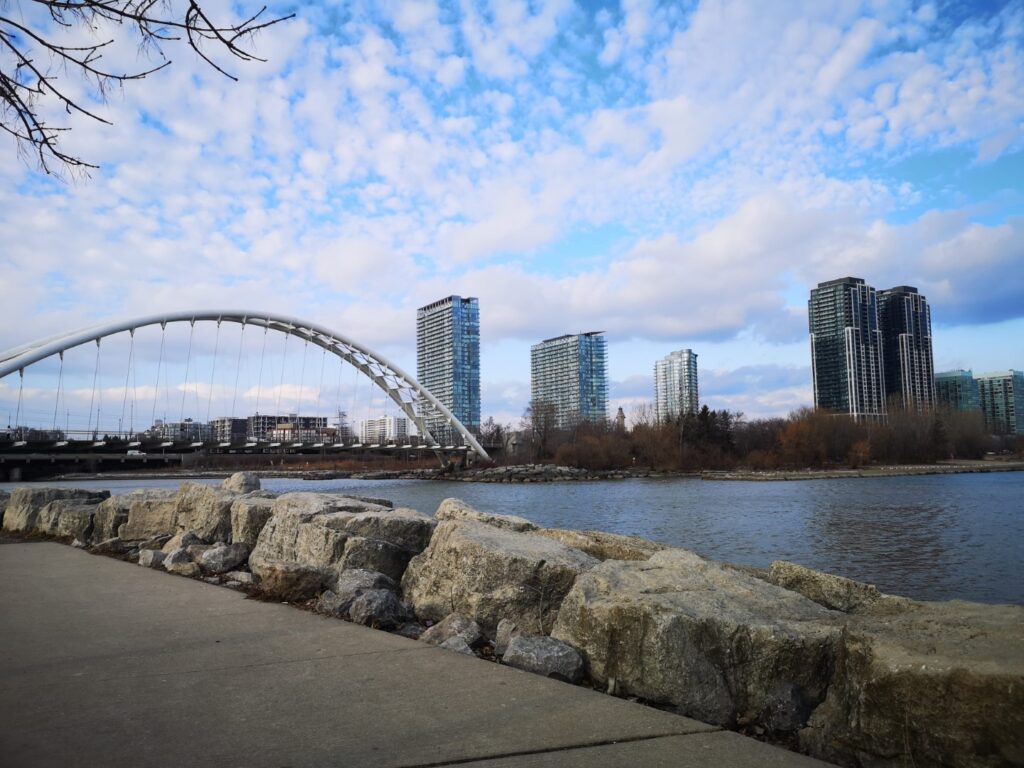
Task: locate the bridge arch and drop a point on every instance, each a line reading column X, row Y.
column 402, row 388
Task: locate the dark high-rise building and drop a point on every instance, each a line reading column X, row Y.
column 846, row 348
column 957, row 390
column 906, row 323
column 569, row 373
column 448, row 363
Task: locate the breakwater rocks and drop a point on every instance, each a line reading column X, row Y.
column 834, row 666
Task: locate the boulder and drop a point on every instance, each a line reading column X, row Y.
column 925, row 684
column 338, row 532
column 176, row 557
column 374, row 555
column 66, row 518
column 248, row 516
column 156, row 542
column 112, row 546
column 835, row 592
column 151, row 558
column 181, row 540
column 110, row 514
column 544, row 656
column 456, row 509
column 290, row 582
column 189, row 569
column 242, row 482
column 457, row 644
column 490, row 573
column 506, row 631
column 196, row 551
column 25, row 504
column 348, row 586
column 379, row 608
column 604, row 546
column 715, row 644
column 206, row 510
column 453, row 625
column 149, row 514
column 223, row 558
column 4, row 498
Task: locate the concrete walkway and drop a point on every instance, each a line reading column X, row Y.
column 104, row 663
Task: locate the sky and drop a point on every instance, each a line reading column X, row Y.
column 677, row 175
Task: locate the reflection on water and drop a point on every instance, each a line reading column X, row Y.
column 932, row 537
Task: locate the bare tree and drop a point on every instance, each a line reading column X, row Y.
column 34, row 57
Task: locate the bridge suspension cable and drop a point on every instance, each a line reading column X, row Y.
column 413, row 399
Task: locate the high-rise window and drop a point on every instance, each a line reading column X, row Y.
column 448, row 363
column 957, row 390
column 675, row 385
column 569, row 374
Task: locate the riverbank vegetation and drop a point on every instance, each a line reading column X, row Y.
column 720, row 439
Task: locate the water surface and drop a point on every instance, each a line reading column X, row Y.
column 934, row 537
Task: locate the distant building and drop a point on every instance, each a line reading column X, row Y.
column 260, row 426
column 448, row 363
column 1001, row 396
column 384, row 430
column 846, row 348
column 905, row 320
column 308, row 431
column 229, row 430
column 179, row 431
column 675, row 385
column 957, row 390
column 569, row 373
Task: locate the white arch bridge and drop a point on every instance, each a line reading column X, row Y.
column 412, row 399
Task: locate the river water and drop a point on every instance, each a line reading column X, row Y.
column 934, row 537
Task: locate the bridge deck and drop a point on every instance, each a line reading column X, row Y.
column 105, row 663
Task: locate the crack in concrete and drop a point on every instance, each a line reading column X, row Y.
column 553, row 750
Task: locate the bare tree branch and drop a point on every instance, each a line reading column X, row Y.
column 32, row 61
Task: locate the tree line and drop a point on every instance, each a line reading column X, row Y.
column 723, row 440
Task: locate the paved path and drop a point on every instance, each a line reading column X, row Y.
column 104, row 663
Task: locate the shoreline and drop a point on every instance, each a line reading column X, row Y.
column 550, row 473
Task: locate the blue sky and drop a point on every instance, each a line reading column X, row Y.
column 675, row 174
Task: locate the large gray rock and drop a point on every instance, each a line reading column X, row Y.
column 205, row 509
column 374, row 555
column 25, row 504
column 4, row 498
column 379, row 608
column 349, row 585
column 925, row 684
column 457, row 644
column 456, row 509
column 149, row 514
column 490, row 573
column 248, row 516
column 66, row 518
column 717, row 644
column 181, row 540
column 453, row 625
column 604, row 546
column 111, row 514
column 835, row 592
column 338, row 532
column 242, row 482
column 290, row 581
column 152, row 558
column 544, row 656
column 223, row 558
